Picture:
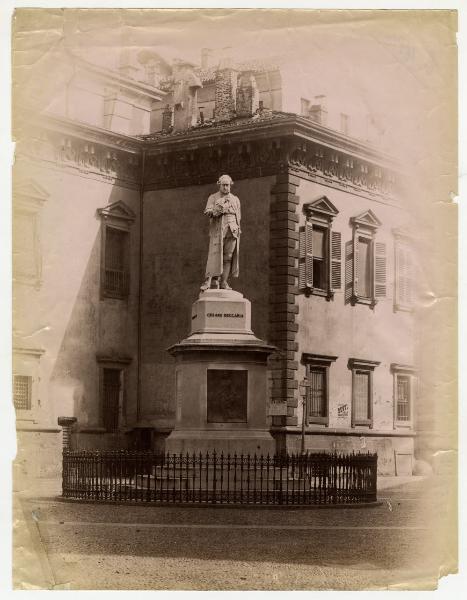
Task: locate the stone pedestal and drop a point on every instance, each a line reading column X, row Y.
column 221, row 380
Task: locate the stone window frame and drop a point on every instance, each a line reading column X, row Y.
column 408, row 371
column 322, row 362
column 117, row 363
column 365, row 226
column 320, row 214
column 357, row 365
column 117, row 216
column 403, row 242
column 28, row 201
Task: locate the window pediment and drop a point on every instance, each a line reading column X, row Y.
column 118, row 212
column 322, row 207
column 30, row 194
column 358, row 363
column 367, row 220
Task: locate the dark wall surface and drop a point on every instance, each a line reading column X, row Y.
column 175, row 246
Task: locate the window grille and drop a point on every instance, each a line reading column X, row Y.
column 22, row 386
column 116, row 276
column 403, row 398
column 317, row 390
column 317, row 395
column 111, row 400
column 362, row 390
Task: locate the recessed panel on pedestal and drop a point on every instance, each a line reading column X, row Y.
column 227, row 396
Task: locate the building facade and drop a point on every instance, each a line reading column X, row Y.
column 110, row 243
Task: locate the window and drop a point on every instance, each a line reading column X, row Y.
column 116, row 259
column 22, row 391
column 362, row 391
column 317, row 395
column 365, row 262
column 319, row 250
column 403, row 398
column 404, row 384
column 345, row 124
column 27, row 260
column 111, row 388
column 403, row 280
column 115, row 262
column 26, row 381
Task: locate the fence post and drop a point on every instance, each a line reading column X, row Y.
column 66, row 423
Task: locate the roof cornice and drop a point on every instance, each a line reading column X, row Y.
column 84, row 131
column 116, row 78
column 284, row 125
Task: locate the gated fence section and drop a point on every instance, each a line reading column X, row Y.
column 313, row 478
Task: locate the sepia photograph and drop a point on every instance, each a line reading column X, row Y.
column 234, row 299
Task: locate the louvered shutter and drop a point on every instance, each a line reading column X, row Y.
column 380, row 270
column 336, row 260
column 355, row 267
column 305, row 262
column 404, row 275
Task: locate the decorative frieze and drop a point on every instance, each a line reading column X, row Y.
column 85, row 156
column 257, row 158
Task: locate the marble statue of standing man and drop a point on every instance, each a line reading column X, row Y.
column 223, row 210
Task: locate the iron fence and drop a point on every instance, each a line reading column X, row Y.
column 211, row 478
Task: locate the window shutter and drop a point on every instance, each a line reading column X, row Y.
column 380, row 270
column 305, row 263
column 355, row 266
column 301, row 259
column 349, row 285
column 336, row 260
column 404, row 275
column 408, row 276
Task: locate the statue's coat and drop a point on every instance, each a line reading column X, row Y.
column 214, row 264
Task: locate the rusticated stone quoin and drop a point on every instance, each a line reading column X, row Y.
column 283, row 290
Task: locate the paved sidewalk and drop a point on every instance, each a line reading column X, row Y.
column 52, row 488
column 98, row 546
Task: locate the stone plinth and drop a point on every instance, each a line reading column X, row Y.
column 221, row 380
column 221, row 311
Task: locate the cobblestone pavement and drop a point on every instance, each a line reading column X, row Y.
column 87, row 546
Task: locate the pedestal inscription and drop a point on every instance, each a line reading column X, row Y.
column 221, row 311
column 227, row 394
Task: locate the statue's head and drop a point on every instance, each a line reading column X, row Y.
column 224, row 182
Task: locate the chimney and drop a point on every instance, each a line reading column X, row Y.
column 187, row 84
column 247, row 95
column 318, row 111
column 206, row 57
column 167, row 119
column 225, row 91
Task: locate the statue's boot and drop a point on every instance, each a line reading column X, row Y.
column 206, row 285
